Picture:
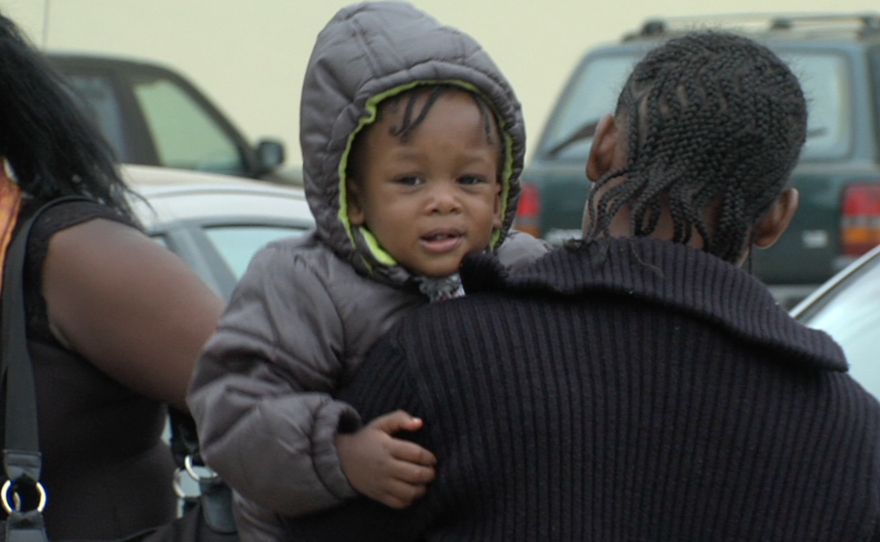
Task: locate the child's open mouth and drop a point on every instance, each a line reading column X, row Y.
column 440, row 242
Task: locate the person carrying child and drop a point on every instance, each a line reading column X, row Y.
column 638, row 384
column 413, row 143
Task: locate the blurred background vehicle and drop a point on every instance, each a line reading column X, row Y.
column 152, row 115
column 215, row 222
column 847, row 307
column 836, row 57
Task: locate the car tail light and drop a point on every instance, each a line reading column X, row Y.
column 860, row 219
column 529, row 211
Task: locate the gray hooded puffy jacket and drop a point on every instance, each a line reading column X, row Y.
column 307, row 310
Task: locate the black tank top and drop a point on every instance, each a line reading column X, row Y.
column 106, row 470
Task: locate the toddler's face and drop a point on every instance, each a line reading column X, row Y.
column 435, row 197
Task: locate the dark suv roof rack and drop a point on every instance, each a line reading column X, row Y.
column 863, row 24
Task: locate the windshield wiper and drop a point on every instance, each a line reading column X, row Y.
column 589, row 130
column 586, row 131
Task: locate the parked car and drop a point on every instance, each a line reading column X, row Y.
column 847, row 307
column 215, row 222
column 153, row 115
column 837, row 58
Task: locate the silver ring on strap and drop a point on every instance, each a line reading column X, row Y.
column 190, row 469
column 11, row 506
column 188, row 463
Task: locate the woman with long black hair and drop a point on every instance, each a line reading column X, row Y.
column 115, row 321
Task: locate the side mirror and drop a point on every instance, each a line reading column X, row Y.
column 270, row 153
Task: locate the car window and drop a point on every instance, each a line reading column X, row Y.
column 185, row 135
column 238, row 244
column 850, row 313
column 825, row 79
column 594, row 89
column 591, row 94
column 161, row 240
column 96, row 94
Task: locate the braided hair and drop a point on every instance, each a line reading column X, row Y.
column 714, row 123
column 52, row 146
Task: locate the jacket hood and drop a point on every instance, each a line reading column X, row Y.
column 369, row 52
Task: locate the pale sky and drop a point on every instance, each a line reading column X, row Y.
column 250, row 56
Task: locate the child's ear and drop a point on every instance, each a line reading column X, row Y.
column 353, row 203
column 603, row 153
column 498, row 219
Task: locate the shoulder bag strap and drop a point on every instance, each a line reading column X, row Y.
column 21, row 454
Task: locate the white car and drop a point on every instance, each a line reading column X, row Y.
column 215, row 222
column 847, row 307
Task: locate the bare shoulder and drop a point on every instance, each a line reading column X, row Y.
column 129, row 305
column 99, row 236
column 104, row 257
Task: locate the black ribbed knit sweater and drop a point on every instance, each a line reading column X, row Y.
column 647, row 392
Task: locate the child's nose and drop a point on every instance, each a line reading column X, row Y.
column 444, row 200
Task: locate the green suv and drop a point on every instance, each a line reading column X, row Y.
column 836, row 57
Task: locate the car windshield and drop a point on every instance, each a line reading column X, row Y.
column 850, row 313
column 590, row 95
column 593, row 92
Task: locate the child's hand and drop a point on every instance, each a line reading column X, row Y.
column 392, row 471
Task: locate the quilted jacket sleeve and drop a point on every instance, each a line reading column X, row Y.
column 261, row 390
column 520, row 249
column 384, row 382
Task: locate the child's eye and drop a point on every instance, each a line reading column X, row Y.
column 470, row 179
column 409, row 180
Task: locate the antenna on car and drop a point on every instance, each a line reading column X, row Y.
column 45, row 37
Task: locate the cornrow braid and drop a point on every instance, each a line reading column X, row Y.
column 715, row 125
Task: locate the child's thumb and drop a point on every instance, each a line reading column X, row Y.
column 398, row 420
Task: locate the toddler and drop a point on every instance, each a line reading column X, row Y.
column 412, row 144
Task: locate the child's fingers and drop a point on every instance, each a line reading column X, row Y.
column 411, row 452
column 402, row 495
column 413, row 474
column 396, row 421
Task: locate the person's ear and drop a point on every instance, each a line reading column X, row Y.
column 604, row 149
column 353, row 203
column 773, row 224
